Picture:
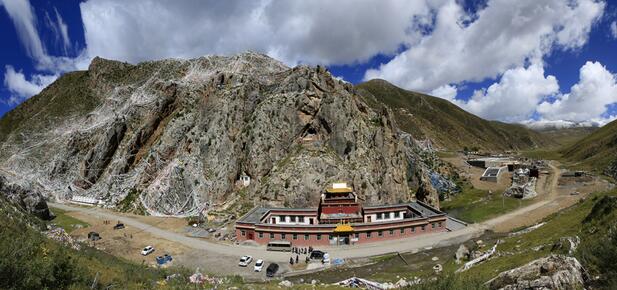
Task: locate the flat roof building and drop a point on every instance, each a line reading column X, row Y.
column 339, row 219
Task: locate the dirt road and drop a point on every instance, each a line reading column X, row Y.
column 219, row 257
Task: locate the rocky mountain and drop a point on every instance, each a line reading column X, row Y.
column 445, row 124
column 170, row 137
column 597, row 150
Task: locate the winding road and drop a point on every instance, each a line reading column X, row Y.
column 508, row 221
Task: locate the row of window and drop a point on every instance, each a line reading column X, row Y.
column 388, row 215
column 356, row 235
column 292, row 218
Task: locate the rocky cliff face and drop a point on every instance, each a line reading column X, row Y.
column 171, row 136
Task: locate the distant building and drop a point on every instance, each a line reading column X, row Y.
column 85, row 200
column 339, row 219
column 245, row 180
column 493, row 162
column 492, row 174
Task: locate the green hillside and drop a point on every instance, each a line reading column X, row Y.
column 444, row 123
column 598, row 150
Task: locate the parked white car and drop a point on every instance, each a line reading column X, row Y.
column 245, row 261
column 259, row 265
column 147, row 250
column 326, row 258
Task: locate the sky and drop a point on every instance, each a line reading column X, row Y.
column 528, row 61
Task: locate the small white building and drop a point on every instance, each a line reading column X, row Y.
column 245, row 180
column 492, row 174
column 85, row 200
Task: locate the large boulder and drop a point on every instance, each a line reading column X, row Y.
column 462, row 253
column 552, row 272
column 28, row 200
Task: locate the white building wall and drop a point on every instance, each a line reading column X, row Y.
column 288, row 221
column 389, row 217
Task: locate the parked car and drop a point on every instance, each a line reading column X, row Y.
column 316, row 255
column 326, row 258
column 272, row 269
column 245, row 261
column 161, row 260
column 259, row 265
column 147, row 250
column 119, row 226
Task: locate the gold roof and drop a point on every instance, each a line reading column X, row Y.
column 339, row 188
column 343, row 228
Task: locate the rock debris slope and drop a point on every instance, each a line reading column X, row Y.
column 168, row 137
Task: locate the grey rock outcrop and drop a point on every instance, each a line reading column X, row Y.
column 552, row 272
column 30, row 201
column 170, row 137
column 462, row 253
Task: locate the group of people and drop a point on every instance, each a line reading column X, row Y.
column 298, row 252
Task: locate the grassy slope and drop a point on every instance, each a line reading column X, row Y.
column 38, row 263
column 475, row 205
column 67, row 96
column 596, row 150
column 447, row 125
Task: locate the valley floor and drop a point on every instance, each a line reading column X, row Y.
column 167, row 236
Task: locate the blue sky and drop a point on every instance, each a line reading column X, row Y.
column 502, row 60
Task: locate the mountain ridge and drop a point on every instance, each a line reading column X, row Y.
column 170, row 137
column 444, row 123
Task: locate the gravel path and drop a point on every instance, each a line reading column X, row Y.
column 548, row 204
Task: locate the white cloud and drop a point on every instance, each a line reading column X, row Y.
column 60, row 30
column 614, row 29
column 21, row 88
column 588, row 99
column 447, row 92
column 515, row 97
column 316, row 32
column 22, row 16
column 561, row 124
column 504, row 35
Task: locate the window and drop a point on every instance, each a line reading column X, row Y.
column 283, row 218
column 294, row 236
column 439, row 224
column 380, row 233
column 271, row 236
column 392, row 232
column 423, row 227
column 306, row 237
column 402, row 231
column 330, row 237
column 383, row 215
column 282, row 236
column 368, row 234
column 243, row 233
column 318, row 237
column 397, row 214
column 413, row 229
column 433, row 225
column 357, row 235
column 301, row 219
column 261, row 235
column 292, row 218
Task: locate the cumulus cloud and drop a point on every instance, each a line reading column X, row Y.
column 614, row 29
column 588, row 99
column 315, row 32
column 447, row 92
column 515, row 97
column 503, row 35
column 21, row 88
